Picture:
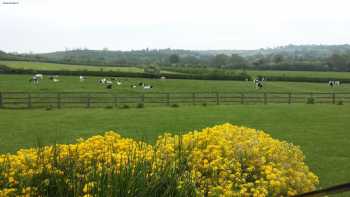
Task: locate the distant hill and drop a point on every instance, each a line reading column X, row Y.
column 317, row 51
column 290, row 57
column 118, row 58
column 148, row 56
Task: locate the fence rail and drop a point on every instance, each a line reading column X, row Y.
column 105, row 99
column 337, row 189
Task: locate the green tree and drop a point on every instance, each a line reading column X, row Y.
column 278, row 58
column 190, row 60
column 174, row 59
column 238, row 61
column 338, row 62
column 220, row 60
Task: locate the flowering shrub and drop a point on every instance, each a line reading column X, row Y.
column 224, row 160
column 237, row 161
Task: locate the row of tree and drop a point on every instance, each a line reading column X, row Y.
column 291, row 57
column 335, row 62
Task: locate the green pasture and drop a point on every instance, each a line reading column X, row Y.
column 321, row 131
column 69, row 67
column 72, row 83
column 312, row 74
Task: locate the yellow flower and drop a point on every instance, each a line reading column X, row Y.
column 223, row 160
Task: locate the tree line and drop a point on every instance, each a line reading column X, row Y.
column 291, row 57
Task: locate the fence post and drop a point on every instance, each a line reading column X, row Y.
column 242, row 98
column 193, row 98
column 217, row 98
column 58, row 100
column 265, row 98
column 168, row 98
column 333, row 98
column 88, row 101
column 29, row 100
column 1, row 102
column 289, row 98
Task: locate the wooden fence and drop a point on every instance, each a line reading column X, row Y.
column 337, row 189
column 107, row 99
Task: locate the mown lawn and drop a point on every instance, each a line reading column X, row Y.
column 322, row 131
column 72, row 83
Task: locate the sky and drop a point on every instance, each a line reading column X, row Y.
column 54, row 25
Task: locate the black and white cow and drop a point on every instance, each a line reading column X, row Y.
column 105, row 81
column 146, row 87
column 109, row 86
column 39, row 76
column 34, row 80
column 334, row 83
column 54, row 78
column 258, row 83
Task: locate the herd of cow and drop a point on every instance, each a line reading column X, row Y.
column 107, row 82
column 258, row 83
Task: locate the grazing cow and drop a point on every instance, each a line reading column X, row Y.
column 133, row 86
column 39, row 76
column 119, row 83
column 109, row 86
column 105, row 81
column 82, row 78
column 334, row 83
column 145, row 87
column 331, row 83
column 258, row 83
column 101, row 81
column 34, row 80
column 55, row 80
column 162, row 77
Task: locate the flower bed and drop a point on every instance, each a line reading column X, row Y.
column 224, row 160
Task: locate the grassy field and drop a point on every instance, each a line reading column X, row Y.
column 52, row 66
column 72, row 83
column 315, row 74
column 254, row 73
column 321, row 132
